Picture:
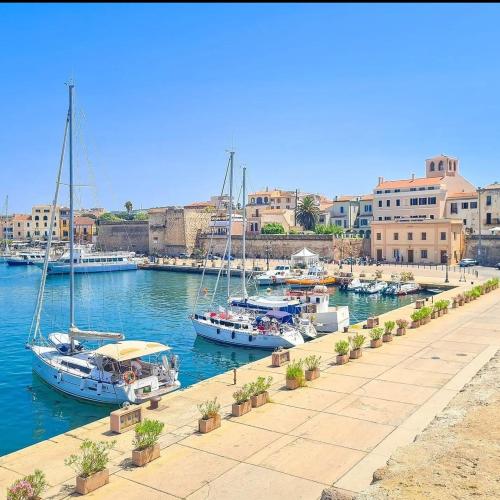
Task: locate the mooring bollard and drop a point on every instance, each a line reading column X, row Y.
column 234, row 376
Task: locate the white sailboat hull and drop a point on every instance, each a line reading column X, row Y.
column 245, row 338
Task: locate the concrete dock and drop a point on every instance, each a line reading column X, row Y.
column 337, row 430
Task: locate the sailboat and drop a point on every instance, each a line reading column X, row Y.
column 241, row 327
column 113, row 373
column 7, row 253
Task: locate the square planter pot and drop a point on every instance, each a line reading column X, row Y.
column 355, row 353
column 415, row 324
column 375, row 343
column 141, row 457
column 400, row 331
column 454, row 305
column 292, row 384
column 259, row 400
column 441, row 312
column 434, row 315
column 86, row 485
column 240, row 409
column 209, row 424
column 342, row 359
column 445, row 310
column 312, row 374
column 387, row 337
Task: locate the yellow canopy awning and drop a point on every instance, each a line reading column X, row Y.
column 130, row 349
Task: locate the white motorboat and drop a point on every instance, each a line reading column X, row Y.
column 276, row 276
column 354, row 285
column 237, row 327
column 403, row 288
column 374, row 287
column 25, row 259
column 112, row 373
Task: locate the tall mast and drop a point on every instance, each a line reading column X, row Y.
column 6, row 219
column 230, row 213
column 71, row 219
column 245, row 294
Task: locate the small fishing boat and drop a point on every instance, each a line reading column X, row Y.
column 374, row 287
column 276, row 276
column 315, row 276
column 354, row 285
column 25, row 259
column 402, row 288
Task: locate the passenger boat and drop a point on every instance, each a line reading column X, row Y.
column 315, row 276
column 276, row 276
column 113, row 373
column 235, row 326
column 25, row 259
column 402, row 288
column 92, row 262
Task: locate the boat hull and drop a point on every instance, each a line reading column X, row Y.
column 241, row 338
column 105, row 268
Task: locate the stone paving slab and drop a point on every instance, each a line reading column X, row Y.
column 337, row 430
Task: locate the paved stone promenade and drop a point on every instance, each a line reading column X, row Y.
column 337, row 430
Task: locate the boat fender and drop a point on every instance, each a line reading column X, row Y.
column 250, row 338
column 218, row 331
column 82, row 384
column 59, row 377
column 233, row 334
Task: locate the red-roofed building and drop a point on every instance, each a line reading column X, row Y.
column 85, row 229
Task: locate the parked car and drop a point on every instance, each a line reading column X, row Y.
column 498, row 266
column 467, row 263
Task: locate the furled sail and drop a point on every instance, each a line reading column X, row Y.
column 76, row 333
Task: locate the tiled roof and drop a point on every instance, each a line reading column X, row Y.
column 366, row 197
column 495, row 185
column 345, row 197
column 21, row 217
column 84, row 221
column 470, row 194
column 200, row 204
column 403, row 183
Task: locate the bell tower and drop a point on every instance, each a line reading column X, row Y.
column 441, row 166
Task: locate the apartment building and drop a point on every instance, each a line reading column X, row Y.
column 41, row 217
column 490, row 207
column 410, row 222
column 365, row 215
column 464, row 206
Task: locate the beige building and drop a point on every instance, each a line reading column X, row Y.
column 40, row 216
column 490, row 208
column 85, row 229
column 365, row 215
column 418, row 205
column 175, row 230
column 464, row 206
column 22, row 227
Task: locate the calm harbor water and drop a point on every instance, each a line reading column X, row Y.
column 145, row 305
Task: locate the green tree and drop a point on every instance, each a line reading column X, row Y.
column 308, row 213
column 108, row 216
column 328, row 229
column 141, row 216
column 128, row 206
column 273, row 228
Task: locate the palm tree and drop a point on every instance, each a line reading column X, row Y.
column 128, row 206
column 307, row 213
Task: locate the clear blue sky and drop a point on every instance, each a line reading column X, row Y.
column 324, row 98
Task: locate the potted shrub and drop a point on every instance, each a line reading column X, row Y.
column 146, row 446
column 389, row 327
column 258, row 391
column 29, row 487
column 454, row 302
column 461, row 299
column 356, row 343
column 376, row 337
column 242, row 403
column 342, row 350
column 90, row 465
column 416, row 318
column 425, row 315
column 294, row 375
column 312, row 367
column 402, row 324
column 210, row 416
column 435, row 311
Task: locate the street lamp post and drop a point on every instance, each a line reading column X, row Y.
column 268, row 251
column 350, row 253
column 446, row 280
column 479, row 243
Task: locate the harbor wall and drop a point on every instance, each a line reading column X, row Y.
column 130, row 236
column 490, row 249
column 282, row 246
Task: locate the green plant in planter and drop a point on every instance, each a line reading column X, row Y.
column 29, row 487
column 402, row 323
column 357, row 341
column 376, row 333
column 94, row 457
column 260, row 386
column 295, row 371
column 209, row 408
column 312, row 362
column 425, row 312
column 342, row 347
column 389, row 326
column 147, row 434
column 416, row 315
column 242, row 395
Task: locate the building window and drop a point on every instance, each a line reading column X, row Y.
column 45, row 217
column 488, row 218
column 396, row 236
column 379, row 236
column 388, row 203
column 410, row 236
column 443, row 236
column 413, row 189
column 454, row 208
column 422, row 201
column 465, row 206
column 423, row 236
column 398, row 203
column 37, row 217
column 387, row 218
column 423, row 254
column 473, row 204
column 413, row 201
column 380, row 218
column 368, row 208
column 363, row 222
column 380, row 203
column 431, row 216
column 488, row 200
column 433, row 167
column 341, row 210
column 252, row 200
column 465, row 222
column 378, row 192
column 387, row 191
column 266, row 199
column 440, row 166
column 431, row 200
